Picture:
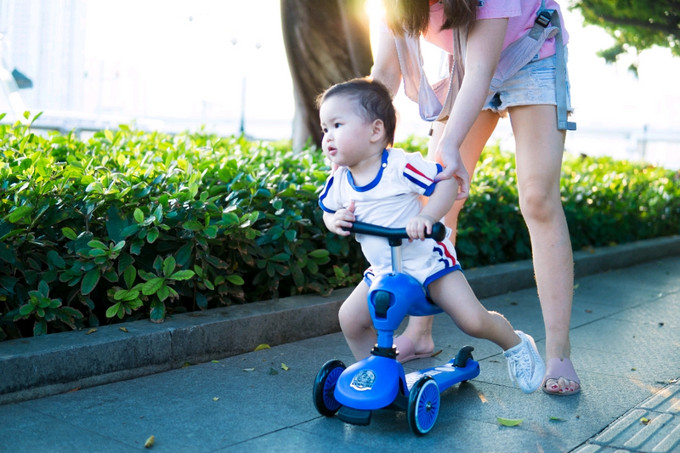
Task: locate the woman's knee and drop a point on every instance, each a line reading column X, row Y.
column 538, row 204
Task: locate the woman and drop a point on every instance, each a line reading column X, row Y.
column 483, row 32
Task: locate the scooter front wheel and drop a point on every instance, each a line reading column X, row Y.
column 423, row 405
column 324, row 386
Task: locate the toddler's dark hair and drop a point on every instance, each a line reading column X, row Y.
column 372, row 97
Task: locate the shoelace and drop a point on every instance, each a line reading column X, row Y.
column 521, row 365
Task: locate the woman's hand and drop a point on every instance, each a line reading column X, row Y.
column 450, row 159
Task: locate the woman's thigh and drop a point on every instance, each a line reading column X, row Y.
column 539, row 147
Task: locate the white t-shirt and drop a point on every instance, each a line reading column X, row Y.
column 390, row 200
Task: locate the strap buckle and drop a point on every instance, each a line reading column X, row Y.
column 544, row 18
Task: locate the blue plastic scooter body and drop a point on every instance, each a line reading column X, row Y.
column 407, row 297
column 446, row 375
column 370, row 384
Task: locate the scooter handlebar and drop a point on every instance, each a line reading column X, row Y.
column 438, row 231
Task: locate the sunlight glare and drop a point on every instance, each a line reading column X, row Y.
column 375, row 11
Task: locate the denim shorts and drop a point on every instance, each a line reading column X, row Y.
column 532, row 85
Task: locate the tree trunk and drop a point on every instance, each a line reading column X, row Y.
column 327, row 42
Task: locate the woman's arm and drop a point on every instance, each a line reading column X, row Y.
column 484, row 45
column 386, row 65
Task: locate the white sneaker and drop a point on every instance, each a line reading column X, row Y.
column 525, row 365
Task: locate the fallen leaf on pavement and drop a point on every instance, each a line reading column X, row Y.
column 149, row 442
column 262, row 346
column 509, row 421
column 284, row 367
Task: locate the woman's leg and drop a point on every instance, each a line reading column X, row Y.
column 419, row 329
column 539, row 150
column 356, row 324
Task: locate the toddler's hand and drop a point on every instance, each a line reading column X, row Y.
column 418, row 226
column 342, row 220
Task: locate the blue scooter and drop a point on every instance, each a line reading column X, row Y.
column 378, row 381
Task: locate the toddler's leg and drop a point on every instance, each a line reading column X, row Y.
column 356, row 324
column 525, row 365
column 454, row 295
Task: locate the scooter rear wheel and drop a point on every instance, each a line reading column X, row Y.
column 324, row 386
column 423, row 405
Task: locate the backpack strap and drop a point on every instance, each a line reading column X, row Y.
column 436, row 101
column 563, row 123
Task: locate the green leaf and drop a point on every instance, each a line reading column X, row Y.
column 44, row 288
column 509, row 421
column 136, row 246
column 95, row 244
column 319, row 253
column 90, row 281
column 183, row 255
column 40, row 328
column 126, row 295
column 163, row 292
column 210, row 231
column 152, row 286
column 157, row 314
column 116, row 224
column 113, row 310
column 152, row 235
column 124, row 261
column 19, row 213
column 69, row 233
column 235, row 279
column 182, row 275
column 280, row 257
column 193, row 225
column 169, row 265
column 54, row 259
column 138, row 215
column 129, row 276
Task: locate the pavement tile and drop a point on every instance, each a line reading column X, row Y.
column 625, row 339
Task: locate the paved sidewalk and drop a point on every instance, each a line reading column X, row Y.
column 625, row 338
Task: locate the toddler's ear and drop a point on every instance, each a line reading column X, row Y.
column 378, row 130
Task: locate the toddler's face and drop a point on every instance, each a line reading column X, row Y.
column 346, row 134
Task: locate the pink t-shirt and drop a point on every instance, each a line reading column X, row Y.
column 521, row 16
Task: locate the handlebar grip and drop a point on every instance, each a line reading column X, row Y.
column 438, row 231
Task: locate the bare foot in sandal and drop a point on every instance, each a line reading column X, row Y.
column 561, row 378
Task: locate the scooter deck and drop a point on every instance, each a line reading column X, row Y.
column 446, row 375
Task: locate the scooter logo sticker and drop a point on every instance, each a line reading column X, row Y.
column 363, row 381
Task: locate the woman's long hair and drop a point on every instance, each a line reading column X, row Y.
column 413, row 16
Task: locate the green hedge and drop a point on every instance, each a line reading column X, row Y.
column 131, row 224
